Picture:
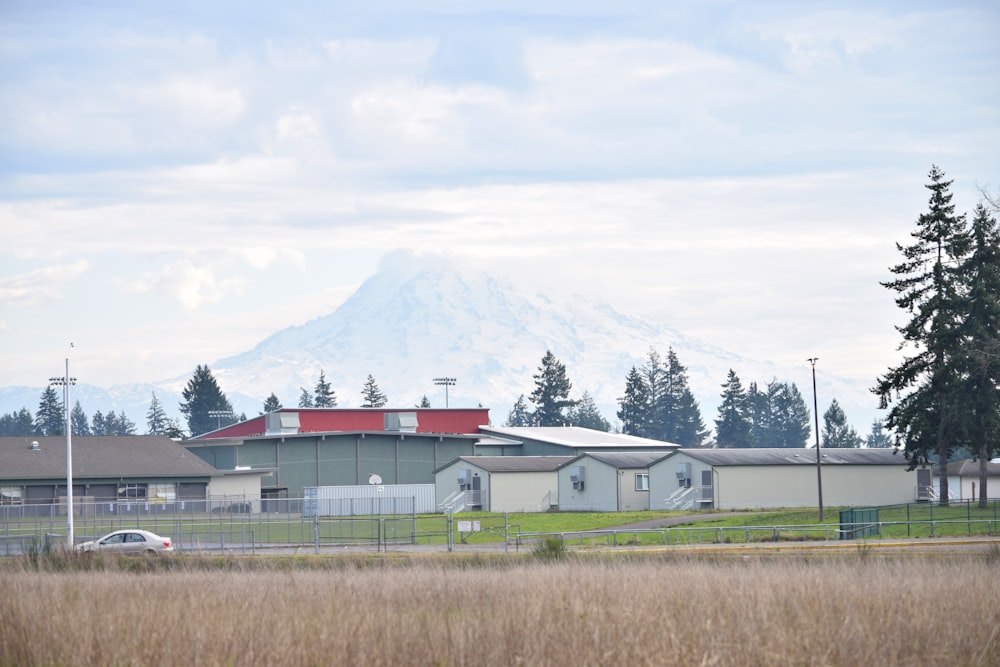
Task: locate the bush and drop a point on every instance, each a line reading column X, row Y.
column 550, row 547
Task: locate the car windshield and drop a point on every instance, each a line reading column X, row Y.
column 114, row 539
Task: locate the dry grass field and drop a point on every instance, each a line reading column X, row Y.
column 661, row 609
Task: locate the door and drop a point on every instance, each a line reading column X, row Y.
column 707, row 492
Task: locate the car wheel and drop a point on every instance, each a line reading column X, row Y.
column 149, row 553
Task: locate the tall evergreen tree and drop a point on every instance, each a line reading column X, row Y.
column 371, row 395
column 585, row 414
column 681, row 414
column 789, row 417
column 551, row 394
column 424, row 402
column 202, row 395
column 325, row 397
column 732, row 428
column 305, row 399
column 50, row 418
column 271, row 404
column 97, row 424
column 877, row 438
column 923, row 389
column 979, row 354
column 758, row 412
column 156, row 417
column 658, row 406
column 837, row 433
column 19, row 423
column 78, row 420
column 634, row 405
column 118, row 424
column 519, row 415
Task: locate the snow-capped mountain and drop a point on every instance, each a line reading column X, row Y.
column 417, row 320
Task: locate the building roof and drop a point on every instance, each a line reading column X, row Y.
column 493, row 464
column 99, row 457
column 575, row 436
column 621, row 460
column 795, row 456
column 970, row 468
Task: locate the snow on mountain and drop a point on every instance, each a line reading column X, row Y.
column 418, row 319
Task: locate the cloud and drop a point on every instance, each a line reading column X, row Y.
column 193, row 285
column 40, row 285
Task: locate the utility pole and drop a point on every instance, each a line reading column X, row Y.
column 65, row 383
column 445, row 382
column 819, row 459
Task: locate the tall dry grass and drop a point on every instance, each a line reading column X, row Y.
column 847, row 611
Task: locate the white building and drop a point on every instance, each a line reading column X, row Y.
column 606, row 481
column 776, row 478
column 498, row 483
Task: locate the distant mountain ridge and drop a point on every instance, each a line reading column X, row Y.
column 415, row 320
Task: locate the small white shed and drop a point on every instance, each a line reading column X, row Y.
column 500, row 483
column 775, row 478
column 963, row 480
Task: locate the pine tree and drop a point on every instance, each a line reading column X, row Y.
column 658, row 405
column 681, row 416
column 925, row 385
column 201, row 396
column 156, row 418
column 979, row 354
column 325, row 398
column 97, row 424
column 51, row 417
column 78, row 420
column 424, row 402
column 305, row 399
column 371, row 395
column 732, row 428
column 519, row 415
column 551, row 394
column 633, row 406
column 837, row 433
column 119, row 424
column 877, row 438
column 789, row 417
column 585, row 414
column 758, row 410
column 19, row 423
column 271, row 404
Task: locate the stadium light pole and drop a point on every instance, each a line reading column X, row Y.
column 445, row 382
column 219, row 414
column 819, row 460
column 65, row 382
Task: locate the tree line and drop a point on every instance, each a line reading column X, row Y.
column 658, row 404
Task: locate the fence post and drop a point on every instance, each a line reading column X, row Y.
column 316, row 532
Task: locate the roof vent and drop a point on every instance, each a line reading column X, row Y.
column 34, row 446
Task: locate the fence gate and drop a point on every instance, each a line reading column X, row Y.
column 859, row 523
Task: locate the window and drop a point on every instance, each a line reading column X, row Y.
column 132, row 492
column 10, row 495
column 162, row 493
column 642, row 481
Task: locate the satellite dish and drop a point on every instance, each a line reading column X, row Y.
column 374, row 479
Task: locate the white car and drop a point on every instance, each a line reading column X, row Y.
column 128, row 542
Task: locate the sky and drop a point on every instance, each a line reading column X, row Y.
column 180, row 180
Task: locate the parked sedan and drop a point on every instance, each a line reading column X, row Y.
column 128, row 542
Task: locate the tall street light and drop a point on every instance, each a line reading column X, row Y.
column 445, row 382
column 819, row 460
column 65, row 383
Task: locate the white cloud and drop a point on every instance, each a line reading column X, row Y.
column 39, row 285
column 191, row 284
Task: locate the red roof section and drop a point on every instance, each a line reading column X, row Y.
column 320, row 420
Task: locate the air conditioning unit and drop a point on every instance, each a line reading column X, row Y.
column 576, row 476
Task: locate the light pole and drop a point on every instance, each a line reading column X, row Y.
column 219, row 414
column 445, row 382
column 65, row 382
column 819, row 460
